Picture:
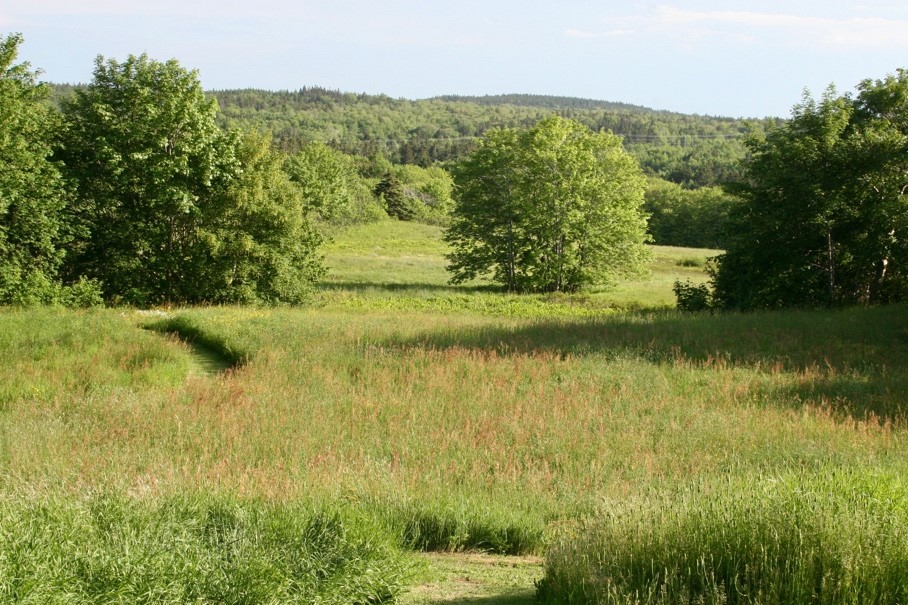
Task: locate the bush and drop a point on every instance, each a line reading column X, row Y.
column 82, row 294
column 691, row 296
column 691, row 262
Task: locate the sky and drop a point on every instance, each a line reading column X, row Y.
column 739, row 59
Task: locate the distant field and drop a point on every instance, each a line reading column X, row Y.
column 401, row 265
column 439, row 418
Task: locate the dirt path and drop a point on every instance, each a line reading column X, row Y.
column 475, row 579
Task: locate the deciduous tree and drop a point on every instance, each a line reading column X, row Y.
column 552, row 208
column 172, row 208
column 32, row 196
column 823, row 212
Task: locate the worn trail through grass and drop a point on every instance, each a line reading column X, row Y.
column 476, row 579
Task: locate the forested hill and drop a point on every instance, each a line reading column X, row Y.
column 693, row 150
column 545, row 102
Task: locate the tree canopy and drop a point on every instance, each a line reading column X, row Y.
column 693, row 150
column 552, row 208
column 823, row 214
column 32, row 195
column 170, row 207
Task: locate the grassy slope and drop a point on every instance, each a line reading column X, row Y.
column 456, row 417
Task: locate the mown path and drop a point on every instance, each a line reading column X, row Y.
column 204, row 361
column 474, row 579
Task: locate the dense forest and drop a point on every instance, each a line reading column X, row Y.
column 687, row 149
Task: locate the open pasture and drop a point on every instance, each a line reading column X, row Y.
column 443, row 418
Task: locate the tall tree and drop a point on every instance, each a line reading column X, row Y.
column 32, row 196
column 823, row 207
column 145, row 154
column 256, row 242
column 174, row 208
column 552, row 208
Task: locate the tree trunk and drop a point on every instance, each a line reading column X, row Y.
column 830, row 252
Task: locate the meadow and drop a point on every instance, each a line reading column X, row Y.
column 647, row 455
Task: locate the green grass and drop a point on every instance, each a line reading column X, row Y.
column 473, row 579
column 454, row 418
column 827, row 537
column 204, row 549
column 400, row 266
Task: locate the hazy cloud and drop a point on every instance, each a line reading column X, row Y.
column 615, row 33
column 158, row 8
column 859, row 33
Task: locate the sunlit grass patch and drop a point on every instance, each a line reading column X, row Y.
column 191, row 549
column 829, row 537
column 401, row 266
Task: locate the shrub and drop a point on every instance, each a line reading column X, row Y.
column 691, row 262
column 691, row 296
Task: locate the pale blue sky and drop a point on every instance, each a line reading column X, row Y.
column 747, row 58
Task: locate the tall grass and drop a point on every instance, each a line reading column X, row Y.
column 828, row 538
column 191, row 549
column 489, row 425
column 457, row 431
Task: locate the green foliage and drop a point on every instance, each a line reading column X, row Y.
column 552, row 208
column 32, row 195
column 693, row 218
column 201, row 549
column 146, row 158
column 824, row 206
column 412, row 193
column 256, row 242
column 397, row 203
column 691, row 296
column 834, row 537
column 428, row 191
column 331, row 186
column 693, row 150
column 169, row 208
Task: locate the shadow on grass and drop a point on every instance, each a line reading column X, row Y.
column 851, row 359
column 365, row 286
column 214, row 354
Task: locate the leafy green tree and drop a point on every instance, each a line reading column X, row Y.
column 256, row 243
column 171, row 207
column 823, row 208
column 552, row 208
column 32, row 196
column 693, row 218
column 330, row 183
column 146, row 156
column 433, row 185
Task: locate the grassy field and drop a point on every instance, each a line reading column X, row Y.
column 416, row 415
column 401, row 266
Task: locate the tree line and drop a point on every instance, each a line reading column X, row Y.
column 136, row 189
column 129, row 191
column 690, row 150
